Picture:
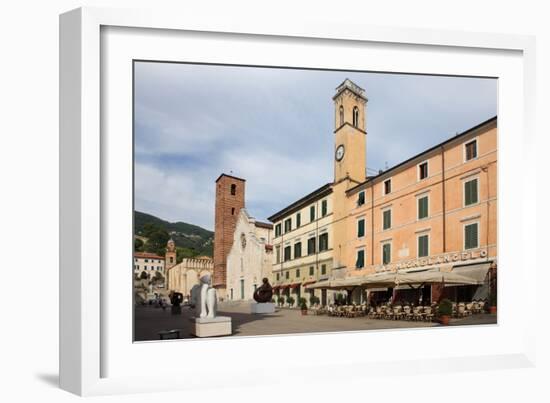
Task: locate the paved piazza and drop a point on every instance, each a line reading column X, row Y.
column 150, row 321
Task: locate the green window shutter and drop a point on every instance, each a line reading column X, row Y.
column 312, row 213
column 386, row 253
column 360, row 228
column 423, row 207
column 471, row 235
column 361, row 199
column 311, row 271
column 298, row 220
column 323, row 269
column 470, row 188
column 360, row 262
column 311, row 246
column 297, row 250
column 423, row 246
column 387, row 219
column 324, row 208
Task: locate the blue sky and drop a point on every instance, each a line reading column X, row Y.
column 274, row 128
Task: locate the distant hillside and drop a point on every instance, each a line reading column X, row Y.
column 185, row 235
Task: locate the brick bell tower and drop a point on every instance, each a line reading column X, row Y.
column 229, row 201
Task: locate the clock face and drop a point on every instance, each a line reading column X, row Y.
column 340, row 152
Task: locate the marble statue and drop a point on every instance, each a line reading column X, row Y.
column 264, row 292
column 203, row 297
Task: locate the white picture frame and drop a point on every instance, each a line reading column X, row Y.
column 87, row 348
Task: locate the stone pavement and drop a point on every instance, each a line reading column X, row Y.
column 149, row 321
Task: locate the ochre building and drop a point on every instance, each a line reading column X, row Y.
column 435, row 211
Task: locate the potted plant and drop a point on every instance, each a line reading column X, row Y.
column 313, row 300
column 281, row 301
column 493, row 304
column 290, row 301
column 303, row 305
column 444, row 311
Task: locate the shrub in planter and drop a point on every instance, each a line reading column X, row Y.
column 493, row 303
column 302, row 301
column 444, row 311
column 314, row 300
column 303, row 307
column 290, row 301
column 281, row 301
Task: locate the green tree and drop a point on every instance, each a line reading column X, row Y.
column 143, row 275
column 158, row 278
column 183, row 253
column 138, row 245
column 156, row 242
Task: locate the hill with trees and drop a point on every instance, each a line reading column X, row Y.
column 152, row 233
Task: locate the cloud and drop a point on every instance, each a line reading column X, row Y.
column 274, row 127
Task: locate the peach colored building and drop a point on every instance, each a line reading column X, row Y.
column 434, row 211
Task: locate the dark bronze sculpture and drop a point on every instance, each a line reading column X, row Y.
column 264, row 292
column 176, row 298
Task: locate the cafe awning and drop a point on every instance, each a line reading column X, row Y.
column 477, row 272
column 295, row 285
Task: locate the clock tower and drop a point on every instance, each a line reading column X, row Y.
column 349, row 132
column 350, row 155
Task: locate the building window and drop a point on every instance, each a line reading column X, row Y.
column 387, row 186
column 360, row 228
column 422, row 207
column 278, row 276
column 287, row 275
column 323, row 208
column 288, row 225
column 311, row 270
column 386, row 253
column 470, row 192
column 470, row 150
column 232, row 210
column 297, row 273
column 312, row 213
column 233, row 189
column 144, row 267
column 423, row 245
column 242, row 288
column 278, row 254
column 287, row 253
column 311, row 246
column 146, row 260
column 323, row 269
column 361, row 198
column 355, row 116
column 298, row 220
column 297, row 250
column 323, row 242
column 232, row 293
column 341, row 115
column 386, row 219
column 471, row 236
column 423, row 170
column 360, row 261
column 278, row 230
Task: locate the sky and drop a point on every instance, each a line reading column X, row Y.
column 274, row 128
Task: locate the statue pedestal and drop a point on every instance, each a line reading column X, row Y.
column 210, row 327
column 262, row 307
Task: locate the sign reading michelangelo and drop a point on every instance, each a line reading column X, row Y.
column 434, row 260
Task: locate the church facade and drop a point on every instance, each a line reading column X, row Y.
column 250, row 257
